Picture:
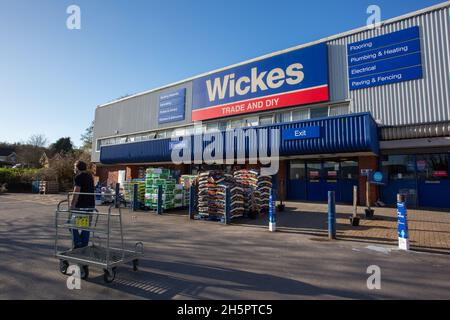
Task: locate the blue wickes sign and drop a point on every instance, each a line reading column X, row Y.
column 301, row 133
column 172, row 106
column 391, row 58
column 289, row 79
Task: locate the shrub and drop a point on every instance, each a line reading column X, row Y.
column 16, row 176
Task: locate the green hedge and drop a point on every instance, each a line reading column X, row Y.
column 13, row 176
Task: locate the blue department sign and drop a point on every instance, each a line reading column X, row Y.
column 172, row 106
column 390, row 58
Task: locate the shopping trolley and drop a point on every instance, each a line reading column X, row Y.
column 105, row 250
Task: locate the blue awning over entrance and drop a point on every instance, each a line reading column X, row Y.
column 342, row 134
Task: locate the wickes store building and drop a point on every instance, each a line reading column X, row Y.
column 368, row 99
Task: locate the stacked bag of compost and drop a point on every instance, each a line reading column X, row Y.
column 237, row 201
column 156, row 177
column 248, row 181
column 264, row 187
column 212, row 197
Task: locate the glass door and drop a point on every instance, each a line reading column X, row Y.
column 297, row 180
column 315, row 187
column 330, row 178
column 349, row 177
column 401, row 178
column 433, row 180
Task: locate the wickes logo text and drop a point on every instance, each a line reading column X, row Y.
column 257, row 81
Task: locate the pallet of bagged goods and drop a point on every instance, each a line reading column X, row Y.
column 212, row 195
column 248, row 181
column 210, row 202
column 264, row 188
column 128, row 187
column 154, row 178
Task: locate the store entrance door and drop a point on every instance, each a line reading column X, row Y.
column 331, row 179
column 311, row 180
column 297, row 180
column 316, row 188
column 348, row 178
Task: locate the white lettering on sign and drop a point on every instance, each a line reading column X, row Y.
column 364, row 69
column 272, row 102
column 258, row 81
column 300, row 133
column 250, row 106
column 366, row 45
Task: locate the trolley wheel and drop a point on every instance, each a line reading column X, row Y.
column 84, row 272
column 63, row 265
column 135, row 264
column 108, row 276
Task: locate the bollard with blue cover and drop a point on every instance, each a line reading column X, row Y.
column 331, row 215
column 227, row 205
column 117, row 197
column 98, row 195
column 402, row 216
column 272, row 211
column 159, row 202
column 135, row 197
column 192, row 193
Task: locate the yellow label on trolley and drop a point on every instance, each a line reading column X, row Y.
column 82, row 222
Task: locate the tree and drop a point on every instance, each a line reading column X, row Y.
column 29, row 155
column 87, row 138
column 62, row 145
column 37, row 140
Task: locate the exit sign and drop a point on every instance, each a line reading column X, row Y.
column 301, row 133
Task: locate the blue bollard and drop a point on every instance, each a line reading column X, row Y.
column 331, row 215
column 272, row 212
column 135, row 197
column 117, row 198
column 227, row 205
column 159, row 202
column 98, row 195
column 192, row 194
column 402, row 217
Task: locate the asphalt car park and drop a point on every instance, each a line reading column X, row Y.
column 186, row 259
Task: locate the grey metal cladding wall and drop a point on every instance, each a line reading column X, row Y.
column 416, row 101
column 136, row 114
column 337, row 74
column 123, row 115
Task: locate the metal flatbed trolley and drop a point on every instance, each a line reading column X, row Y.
column 106, row 248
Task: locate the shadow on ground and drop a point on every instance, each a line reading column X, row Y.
column 155, row 285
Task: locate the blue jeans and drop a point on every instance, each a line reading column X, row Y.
column 81, row 240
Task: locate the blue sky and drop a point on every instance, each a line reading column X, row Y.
column 52, row 78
